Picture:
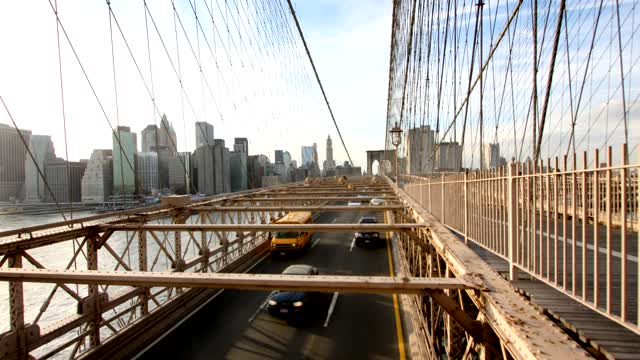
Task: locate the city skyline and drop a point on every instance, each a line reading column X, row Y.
column 355, row 81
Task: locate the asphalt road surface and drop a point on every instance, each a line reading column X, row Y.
column 234, row 326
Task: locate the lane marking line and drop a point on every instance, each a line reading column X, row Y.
column 331, row 307
column 334, row 220
column 193, row 312
column 396, row 308
column 353, row 242
column 315, row 243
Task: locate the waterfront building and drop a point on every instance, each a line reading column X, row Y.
column 241, row 145
column 204, row 134
column 125, row 147
column 180, row 173
column 238, row 171
column 147, row 172
column 13, row 154
column 149, row 136
column 42, row 149
column 97, row 181
column 64, row 179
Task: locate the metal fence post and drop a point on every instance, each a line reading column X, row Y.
column 466, row 207
column 513, row 226
column 442, row 217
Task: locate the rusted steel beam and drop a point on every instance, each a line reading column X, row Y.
column 325, row 283
column 264, row 227
column 337, row 192
column 315, row 198
column 299, row 208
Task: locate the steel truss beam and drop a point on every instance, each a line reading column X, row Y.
column 298, row 208
column 323, row 283
column 262, row 227
column 313, row 198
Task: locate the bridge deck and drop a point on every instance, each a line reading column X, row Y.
column 610, row 338
column 233, row 325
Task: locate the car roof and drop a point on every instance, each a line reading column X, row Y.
column 368, row 219
column 300, row 269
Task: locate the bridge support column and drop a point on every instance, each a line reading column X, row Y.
column 16, row 310
column 142, row 266
column 512, row 209
column 93, row 300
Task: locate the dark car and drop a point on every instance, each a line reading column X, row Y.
column 370, row 238
column 294, row 305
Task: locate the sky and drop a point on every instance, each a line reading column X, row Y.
column 584, row 89
column 266, row 92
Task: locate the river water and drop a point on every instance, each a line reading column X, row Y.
column 59, row 256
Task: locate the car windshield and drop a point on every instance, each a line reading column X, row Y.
column 287, row 234
column 367, row 221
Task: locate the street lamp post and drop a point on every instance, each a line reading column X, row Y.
column 396, row 139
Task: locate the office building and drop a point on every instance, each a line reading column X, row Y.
column 205, row 170
column 149, row 136
column 256, row 170
column 278, row 157
column 13, row 154
column 307, row 156
column 147, row 172
column 241, row 145
column 125, row 147
column 238, row 171
column 180, row 173
column 448, row 156
column 64, row 179
column 167, row 136
column 329, row 164
column 97, row 181
column 419, row 144
column 41, row 148
column 204, row 134
column 490, row 156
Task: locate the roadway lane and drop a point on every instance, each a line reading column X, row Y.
column 232, row 326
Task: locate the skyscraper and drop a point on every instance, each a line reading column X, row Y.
column 64, row 179
column 307, row 156
column 147, row 171
column 490, row 156
column 97, row 181
column 167, row 136
column 448, row 156
column 13, row 154
column 241, row 144
column 419, row 145
column 180, row 173
column 278, row 157
column 149, row 135
column 204, row 134
column 329, row 163
column 238, row 169
column 41, row 148
column 125, row 147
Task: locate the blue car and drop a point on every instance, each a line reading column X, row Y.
column 294, row 305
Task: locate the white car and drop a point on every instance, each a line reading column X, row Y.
column 354, row 203
column 376, row 202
